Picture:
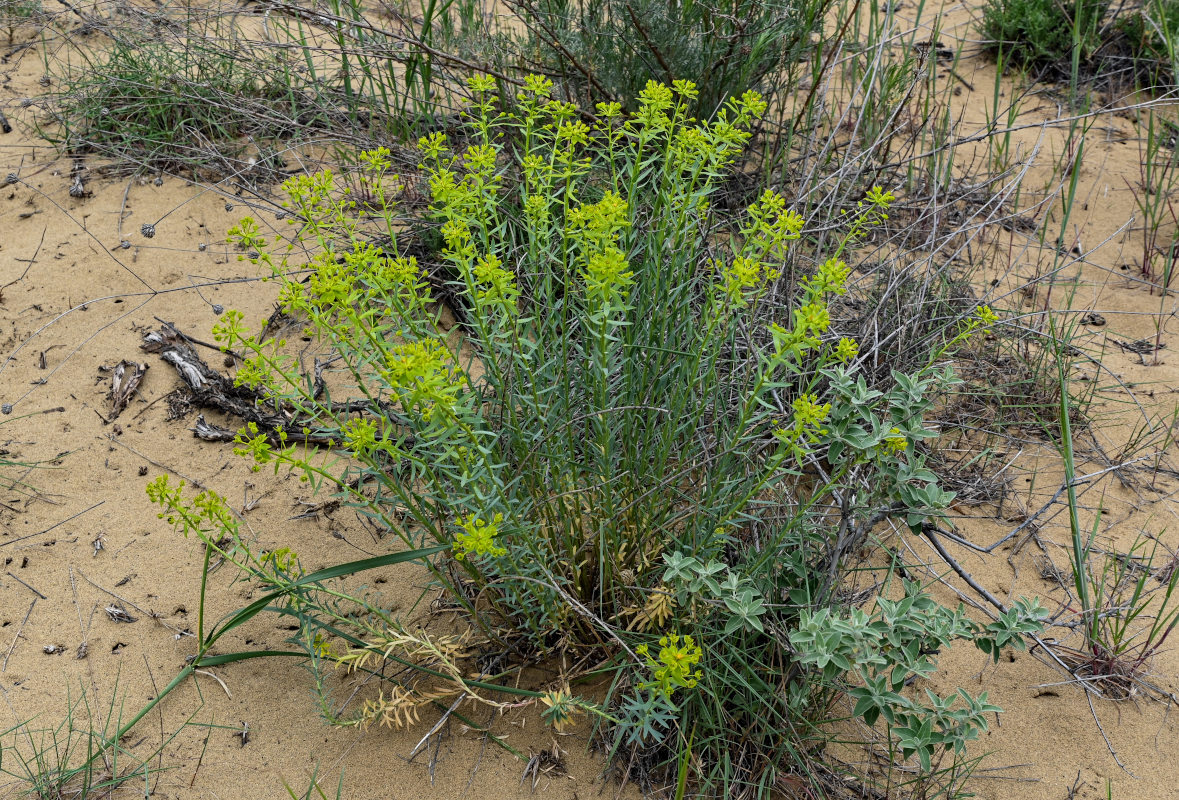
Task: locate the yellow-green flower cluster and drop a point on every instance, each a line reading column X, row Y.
column 766, row 236
column 982, row 319
column 771, row 226
column 685, row 89
column 433, row 145
column 360, row 436
column 895, row 442
column 310, row 197
column 460, row 187
column 464, row 189
column 332, row 282
column 830, row 278
column 481, row 83
column 812, row 318
column 809, row 416
column 596, row 228
column 479, row 159
column 879, row 198
column 609, row 111
column 986, row 317
column 364, row 436
column 422, row 375
column 806, row 425
column 402, row 279
column 536, row 210
column 607, row 277
column 253, row 445
column 464, row 193
column 497, row 285
column 655, row 100
column 229, row 329
column 695, row 148
column 284, row 560
column 743, row 280
column 872, row 210
column 847, row 349
column 247, row 236
column 729, row 131
column 573, row 133
column 535, row 86
column 257, row 370
column 207, row 511
column 376, row 160
column 478, row 537
column 739, row 279
column 597, row 225
column 673, row 668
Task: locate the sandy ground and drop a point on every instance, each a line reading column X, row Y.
column 81, row 285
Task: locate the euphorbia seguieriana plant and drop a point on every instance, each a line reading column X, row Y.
column 644, row 448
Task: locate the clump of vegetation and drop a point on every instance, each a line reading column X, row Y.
column 17, row 12
column 13, row 470
column 81, row 756
column 620, row 457
column 163, row 104
column 1039, row 33
column 1151, row 35
column 1087, row 38
column 173, row 89
column 608, row 50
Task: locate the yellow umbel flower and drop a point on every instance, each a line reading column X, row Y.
column 673, row 668
column 879, row 197
column 478, row 537
column 813, row 317
column 809, row 416
column 847, row 349
column 895, row 442
column 986, row 317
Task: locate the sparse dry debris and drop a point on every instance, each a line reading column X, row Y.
column 314, row 510
column 547, row 762
column 78, row 189
column 205, row 387
column 125, row 380
column 1050, row 572
column 118, row 614
column 1145, row 346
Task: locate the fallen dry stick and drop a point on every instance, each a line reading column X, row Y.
column 208, row 388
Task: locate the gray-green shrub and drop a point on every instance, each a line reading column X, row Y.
column 628, row 461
